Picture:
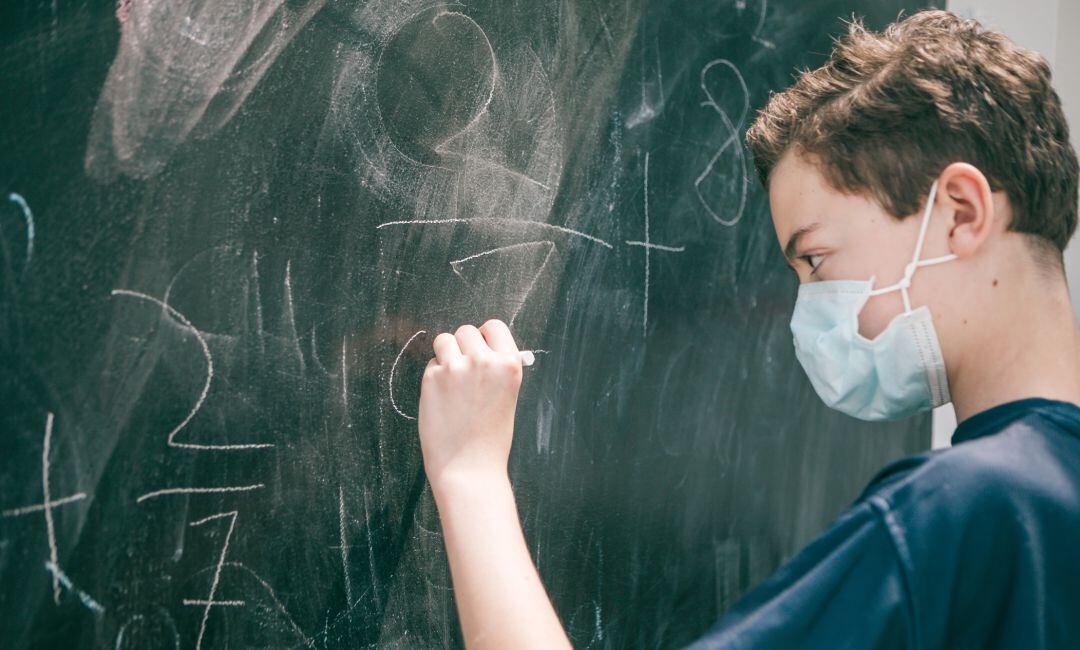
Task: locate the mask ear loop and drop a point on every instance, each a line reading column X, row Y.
column 915, row 263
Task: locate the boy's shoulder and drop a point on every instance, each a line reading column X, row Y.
column 984, row 528
column 1021, row 452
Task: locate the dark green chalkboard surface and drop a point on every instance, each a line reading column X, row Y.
column 229, row 230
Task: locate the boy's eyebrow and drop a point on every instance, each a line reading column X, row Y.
column 793, row 244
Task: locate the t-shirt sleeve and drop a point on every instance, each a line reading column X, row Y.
column 846, row 589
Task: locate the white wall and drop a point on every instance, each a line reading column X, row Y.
column 1050, row 27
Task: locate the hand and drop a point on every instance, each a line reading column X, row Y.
column 468, row 397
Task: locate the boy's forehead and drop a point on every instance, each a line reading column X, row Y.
column 798, row 195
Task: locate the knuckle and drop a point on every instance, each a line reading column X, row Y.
column 464, row 328
column 493, row 323
column 457, row 366
column 515, row 368
column 442, row 337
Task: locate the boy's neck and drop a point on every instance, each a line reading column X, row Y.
column 1032, row 349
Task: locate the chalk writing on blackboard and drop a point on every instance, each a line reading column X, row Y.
column 393, row 368
column 28, row 219
column 519, row 300
column 83, row 597
column 198, row 490
column 344, row 546
column 500, row 222
column 718, row 194
column 46, row 506
column 206, row 384
column 649, row 246
column 209, row 601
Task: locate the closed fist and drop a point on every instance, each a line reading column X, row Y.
column 468, row 398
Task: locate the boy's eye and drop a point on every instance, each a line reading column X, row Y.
column 814, row 261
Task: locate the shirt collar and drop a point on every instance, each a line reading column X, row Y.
column 998, row 417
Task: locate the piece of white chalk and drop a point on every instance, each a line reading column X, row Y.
column 527, row 357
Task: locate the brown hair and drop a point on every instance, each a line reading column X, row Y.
column 888, row 111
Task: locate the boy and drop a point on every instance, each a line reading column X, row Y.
column 923, row 188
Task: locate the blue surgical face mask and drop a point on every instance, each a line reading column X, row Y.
column 899, row 373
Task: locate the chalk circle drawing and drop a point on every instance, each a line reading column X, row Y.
column 444, row 122
column 201, row 399
column 183, row 68
column 152, row 628
column 423, row 101
column 393, row 369
column 725, row 175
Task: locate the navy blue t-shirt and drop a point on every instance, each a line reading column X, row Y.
column 971, row 546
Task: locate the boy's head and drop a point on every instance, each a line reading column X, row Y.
column 849, row 152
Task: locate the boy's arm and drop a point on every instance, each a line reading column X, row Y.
column 467, row 401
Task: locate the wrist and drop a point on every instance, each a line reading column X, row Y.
column 470, row 486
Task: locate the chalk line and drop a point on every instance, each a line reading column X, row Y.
column 315, row 356
column 649, row 246
column 206, row 385
column 391, row 381
column 84, row 597
column 49, row 526
column 531, row 222
column 344, row 546
column 25, row 510
column 455, row 266
column 661, row 247
column 46, row 506
column 258, row 299
column 344, row 377
column 28, row 217
column 454, row 263
column 198, row 490
column 291, row 315
column 270, row 591
column 217, row 571
column 645, row 318
column 371, row 553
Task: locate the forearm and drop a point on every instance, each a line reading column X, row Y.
column 500, row 599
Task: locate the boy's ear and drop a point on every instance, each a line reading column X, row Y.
column 964, row 190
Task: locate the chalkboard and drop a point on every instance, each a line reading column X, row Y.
column 230, row 229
